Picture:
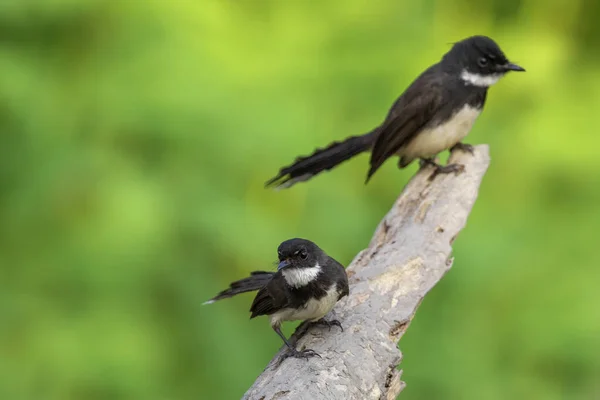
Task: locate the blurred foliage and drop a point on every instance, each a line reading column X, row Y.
column 135, row 137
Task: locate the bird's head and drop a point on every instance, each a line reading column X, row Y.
column 479, row 61
column 298, row 254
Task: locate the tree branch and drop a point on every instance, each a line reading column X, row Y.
column 409, row 253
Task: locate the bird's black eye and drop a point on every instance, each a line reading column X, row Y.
column 482, row 61
column 303, row 254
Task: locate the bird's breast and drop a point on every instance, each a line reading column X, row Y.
column 313, row 310
column 435, row 139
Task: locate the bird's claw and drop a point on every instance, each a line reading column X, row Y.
column 424, row 162
column 467, row 148
column 335, row 322
column 329, row 324
column 447, row 169
column 306, row 354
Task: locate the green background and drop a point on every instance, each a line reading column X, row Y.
column 135, row 138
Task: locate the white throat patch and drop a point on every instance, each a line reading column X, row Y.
column 298, row 277
column 479, row 80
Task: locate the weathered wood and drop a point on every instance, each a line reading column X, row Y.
column 409, row 253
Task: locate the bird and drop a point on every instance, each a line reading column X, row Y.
column 435, row 113
column 307, row 285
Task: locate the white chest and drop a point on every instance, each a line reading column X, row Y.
column 313, row 310
column 432, row 141
column 298, row 277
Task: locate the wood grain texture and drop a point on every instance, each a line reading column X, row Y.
column 409, row 253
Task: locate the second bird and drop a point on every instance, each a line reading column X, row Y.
column 434, row 114
column 306, row 286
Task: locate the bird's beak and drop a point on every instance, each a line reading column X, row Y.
column 283, row 264
column 514, row 67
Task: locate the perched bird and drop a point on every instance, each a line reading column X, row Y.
column 306, row 286
column 434, row 114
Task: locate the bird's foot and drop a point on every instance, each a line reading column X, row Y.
column 467, row 148
column 447, row 169
column 424, row 162
column 306, row 354
column 333, row 322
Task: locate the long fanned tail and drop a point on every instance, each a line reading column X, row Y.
column 321, row 160
column 255, row 281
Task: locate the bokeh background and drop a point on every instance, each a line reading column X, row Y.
column 135, row 138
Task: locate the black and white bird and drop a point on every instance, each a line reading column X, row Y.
column 434, row 114
column 306, row 286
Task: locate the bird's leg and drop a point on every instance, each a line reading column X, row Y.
column 333, row 322
column 306, row 353
column 467, row 148
column 423, row 162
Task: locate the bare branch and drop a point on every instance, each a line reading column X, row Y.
column 409, row 253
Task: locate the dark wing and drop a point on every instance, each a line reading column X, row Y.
column 337, row 273
column 270, row 298
column 343, row 288
column 412, row 111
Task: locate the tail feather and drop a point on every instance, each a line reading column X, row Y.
column 321, row 160
column 256, row 281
